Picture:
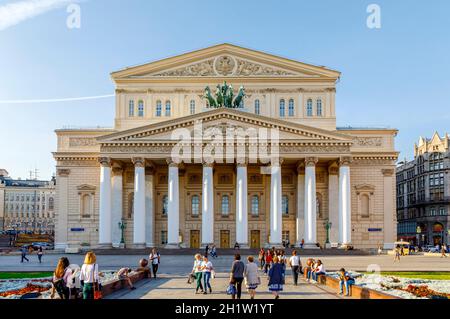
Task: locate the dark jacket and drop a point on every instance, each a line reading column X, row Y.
column 276, row 274
column 237, row 269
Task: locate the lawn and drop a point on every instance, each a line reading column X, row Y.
column 431, row 275
column 19, row 275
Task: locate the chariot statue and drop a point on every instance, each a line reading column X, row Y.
column 224, row 96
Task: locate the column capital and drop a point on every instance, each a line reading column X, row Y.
column 333, row 168
column 138, row 161
column 345, row 160
column 104, row 161
column 117, row 168
column 208, row 164
column 311, row 161
column 243, row 163
column 301, row 168
column 150, row 168
column 63, row 172
column 171, row 163
column 387, row 172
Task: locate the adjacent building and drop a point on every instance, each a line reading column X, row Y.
column 26, row 205
column 423, row 193
column 340, row 179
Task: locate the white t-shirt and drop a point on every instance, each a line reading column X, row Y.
column 197, row 263
column 155, row 261
column 89, row 273
column 295, row 261
column 320, row 268
column 208, row 267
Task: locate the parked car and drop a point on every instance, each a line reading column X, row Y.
column 430, row 249
column 44, row 246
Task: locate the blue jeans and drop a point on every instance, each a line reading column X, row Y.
column 347, row 284
column 316, row 274
column 206, row 278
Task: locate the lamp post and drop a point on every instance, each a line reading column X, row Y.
column 327, row 226
column 122, row 227
column 418, row 231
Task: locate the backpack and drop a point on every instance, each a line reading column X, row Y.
column 231, row 289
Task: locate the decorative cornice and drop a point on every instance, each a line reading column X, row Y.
column 63, row 172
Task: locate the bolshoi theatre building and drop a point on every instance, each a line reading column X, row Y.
column 122, row 187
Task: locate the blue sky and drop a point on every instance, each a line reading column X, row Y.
column 396, row 76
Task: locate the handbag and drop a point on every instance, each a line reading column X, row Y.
column 231, row 289
column 97, row 291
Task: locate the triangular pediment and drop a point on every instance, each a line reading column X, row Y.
column 225, row 61
column 224, row 118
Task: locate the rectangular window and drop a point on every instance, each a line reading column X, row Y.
column 141, row 108
column 131, row 108
column 163, row 237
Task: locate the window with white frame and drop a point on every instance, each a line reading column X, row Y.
column 319, row 107
column 168, row 108
column 158, row 108
column 195, row 205
column 282, row 108
column 309, row 107
column 192, row 107
column 225, row 205
column 255, row 205
column 257, row 107
column 141, row 108
column 291, row 107
column 285, row 205
column 131, row 108
column 165, row 205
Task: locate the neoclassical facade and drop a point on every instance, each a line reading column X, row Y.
column 324, row 175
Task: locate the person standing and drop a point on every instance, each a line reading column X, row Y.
column 197, row 270
column 276, row 277
column 397, row 253
column 444, row 251
column 23, row 252
column 207, row 269
column 302, row 243
column 262, row 258
column 39, row 254
column 296, row 266
column 155, row 259
column 237, row 275
column 268, row 261
column 89, row 275
column 213, row 251
column 251, row 277
column 60, row 278
column 206, row 250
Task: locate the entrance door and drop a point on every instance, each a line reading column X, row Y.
column 224, row 239
column 195, row 239
column 255, row 239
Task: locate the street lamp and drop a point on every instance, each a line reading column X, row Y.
column 122, row 226
column 418, row 231
column 327, row 226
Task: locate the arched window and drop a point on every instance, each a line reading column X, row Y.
column 85, row 206
column 158, row 108
column 319, row 107
column 192, row 107
column 165, row 204
column 131, row 108
column 255, row 205
column 285, row 205
column 291, row 107
column 225, row 205
column 167, row 108
column 364, row 205
column 141, row 108
column 195, row 204
column 257, row 107
column 309, row 110
column 282, row 108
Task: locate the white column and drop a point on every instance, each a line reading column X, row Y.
column 149, row 210
column 61, row 209
column 173, row 208
column 116, row 206
column 344, row 203
column 310, row 203
column 241, row 206
column 390, row 225
column 104, row 229
column 139, row 203
column 207, row 205
column 300, row 220
column 333, row 203
column 276, row 226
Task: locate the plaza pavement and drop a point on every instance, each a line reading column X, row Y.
column 182, row 264
column 176, row 287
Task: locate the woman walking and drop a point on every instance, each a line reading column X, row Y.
column 268, row 261
column 155, row 259
column 276, row 277
column 39, row 254
column 237, row 275
column 296, row 266
column 89, row 275
column 397, row 253
column 262, row 258
column 207, row 269
column 197, row 270
column 251, row 277
column 60, row 276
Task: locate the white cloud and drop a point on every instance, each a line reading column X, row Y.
column 16, row 12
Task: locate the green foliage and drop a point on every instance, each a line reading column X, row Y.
column 20, row 275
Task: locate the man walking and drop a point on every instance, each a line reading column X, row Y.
column 296, row 266
column 23, row 250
